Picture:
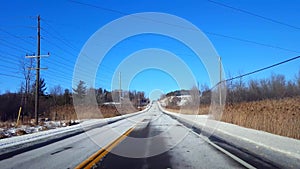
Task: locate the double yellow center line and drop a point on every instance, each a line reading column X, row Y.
column 93, row 159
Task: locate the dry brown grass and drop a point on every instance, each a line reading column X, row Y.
column 203, row 109
column 68, row 113
column 7, row 124
column 85, row 112
column 281, row 117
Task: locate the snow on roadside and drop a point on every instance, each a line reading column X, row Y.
column 36, row 137
column 13, row 131
column 36, row 134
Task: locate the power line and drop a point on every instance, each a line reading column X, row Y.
column 211, row 33
column 61, row 65
column 54, row 73
column 14, row 46
column 10, row 54
column 253, row 42
column 16, row 36
column 8, row 67
column 59, row 47
column 265, row 68
column 256, row 71
column 58, row 37
column 11, row 61
column 220, row 35
column 20, row 37
column 107, row 68
column 254, row 14
column 14, row 76
column 67, row 52
column 99, row 7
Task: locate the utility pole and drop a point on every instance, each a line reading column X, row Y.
column 38, row 68
column 220, row 83
column 37, row 81
column 198, row 88
column 120, row 88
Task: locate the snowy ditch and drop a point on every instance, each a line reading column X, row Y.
column 279, row 151
column 12, row 131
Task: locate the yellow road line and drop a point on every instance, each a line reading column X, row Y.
column 93, row 159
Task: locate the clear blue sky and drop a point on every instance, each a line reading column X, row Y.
column 66, row 26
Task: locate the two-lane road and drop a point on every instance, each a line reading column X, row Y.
column 70, row 152
column 165, row 143
column 157, row 141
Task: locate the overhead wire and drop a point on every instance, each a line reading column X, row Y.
column 8, row 61
column 8, row 67
column 220, row 35
column 224, row 36
column 8, row 75
column 15, row 46
column 253, row 42
column 15, row 36
column 180, row 26
column 62, row 65
column 254, row 14
column 256, row 71
column 65, row 42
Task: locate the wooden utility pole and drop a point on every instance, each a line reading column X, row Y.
column 38, row 68
column 220, row 83
column 120, row 88
column 37, row 80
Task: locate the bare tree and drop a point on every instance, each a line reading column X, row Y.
column 291, row 89
column 26, row 65
column 205, row 94
column 56, row 92
column 195, row 96
column 298, row 81
column 278, row 84
column 254, row 92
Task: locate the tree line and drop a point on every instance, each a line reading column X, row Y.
column 57, row 96
column 86, row 95
column 274, row 87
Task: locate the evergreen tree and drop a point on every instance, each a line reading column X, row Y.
column 42, row 87
column 80, row 90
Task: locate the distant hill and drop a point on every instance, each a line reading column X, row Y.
column 178, row 93
column 176, row 98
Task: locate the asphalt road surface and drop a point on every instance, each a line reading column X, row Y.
column 162, row 143
column 157, row 141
